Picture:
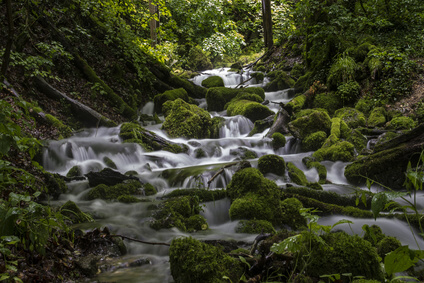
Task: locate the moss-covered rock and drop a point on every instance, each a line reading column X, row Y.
column 401, row 123
column 377, row 117
column 358, row 140
column 203, row 195
column 321, row 169
column 278, row 140
column 296, row 175
column 193, row 90
column 261, row 125
column 291, row 213
column 314, row 141
column 213, row 81
column 170, row 95
column 383, row 138
column 306, row 125
column 255, row 206
column 132, row 132
column 340, row 151
column 178, row 212
column 387, row 245
column 250, row 109
column 255, row 227
column 272, row 163
column 258, row 76
column 64, row 130
column 218, row 97
column 194, row 261
column 364, row 105
column 190, row 121
column 342, row 253
column 296, row 104
column 243, row 153
column 109, row 162
column 352, row 117
column 149, row 189
column 102, row 191
column 279, row 80
column 128, row 199
column 75, row 171
column 197, row 59
column 250, row 180
column 74, row 213
column 328, row 101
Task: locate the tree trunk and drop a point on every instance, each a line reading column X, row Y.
column 154, row 24
column 267, row 23
column 6, row 55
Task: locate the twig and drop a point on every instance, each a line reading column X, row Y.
column 254, row 63
column 140, row 241
column 244, row 82
column 220, row 171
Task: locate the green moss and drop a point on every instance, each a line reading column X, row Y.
column 218, row 97
column 132, row 132
column 296, row 104
column 169, row 95
column 250, row 109
column 187, row 120
column 322, row 170
column 291, row 213
column 178, row 212
column 75, row 171
column 213, row 81
column 353, row 117
column 306, row 125
column 377, row 117
column 297, row 71
column 272, row 163
column 401, row 123
column 132, row 187
column 74, row 213
column 193, row 90
column 343, row 254
column 128, row 199
column 246, row 96
column 382, row 139
column 387, row 245
column 198, row 60
column 364, row 105
column 64, row 130
column 296, row 175
column 203, row 195
column 250, row 180
column 194, row 261
column 314, row 141
column 373, row 234
column 278, row 140
column 358, row 140
column 109, row 162
column 304, row 81
column 254, row 206
column 255, row 227
column 342, row 151
column 259, row 76
column 279, row 80
column 328, row 101
column 243, row 153
column 149, row 189
column 335, row 127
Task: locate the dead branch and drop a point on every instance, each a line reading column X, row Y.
column 220, row 171
column 140, row 241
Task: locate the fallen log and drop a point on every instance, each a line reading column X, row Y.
column 281, row 123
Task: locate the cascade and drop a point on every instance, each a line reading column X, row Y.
column 90, row 147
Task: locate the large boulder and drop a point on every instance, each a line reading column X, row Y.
column 213, row 81
column 352, row 117
column 250, row 109
column 218, row 97
column 190, row 121
column 314, row 122
column 172, row 95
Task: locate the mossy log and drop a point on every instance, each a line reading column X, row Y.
column 388, row 165
column 280, row 124
column 86, row 115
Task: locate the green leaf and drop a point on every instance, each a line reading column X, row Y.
column 343, row 221
column 378, row 203
column 291, row 244
column 399, row 260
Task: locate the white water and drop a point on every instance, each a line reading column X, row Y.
column 89, row 147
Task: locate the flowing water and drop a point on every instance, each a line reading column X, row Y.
column 89, row 147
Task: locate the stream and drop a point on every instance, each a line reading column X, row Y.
column 88, row 148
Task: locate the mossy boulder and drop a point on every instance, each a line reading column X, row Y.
column 149, row 141
column 383, row 138
column 321, row 169
column 328, row 101
column 250, row 180
column 340, row 151
column 377, row 117
column 149, row 189
column 203, row 194
column 272, row 163
column 340, row 254
column 102, row 191
column 314, row 141
column 387, row 245
column 190, row 121
column 278, row 140
column 296, row 104
column 109, row 162
column 358, row 140
column 255, row 227
column 128, row 199
column 170, row 95
column 401, row 123
column 74, row 213
column 255, row 206
column 193, row 90
column 279, row 80
column 296, row 175
column 194, row 261
column 218, row 97
column 291, row 213
column 181, row 212
column 75, row 171
column 306, row 125
column 261, row 125
column 250, row 109
column 352, row 117
column 213, row 81
column 243, row 153
column 364, row 105
column 258, row 76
